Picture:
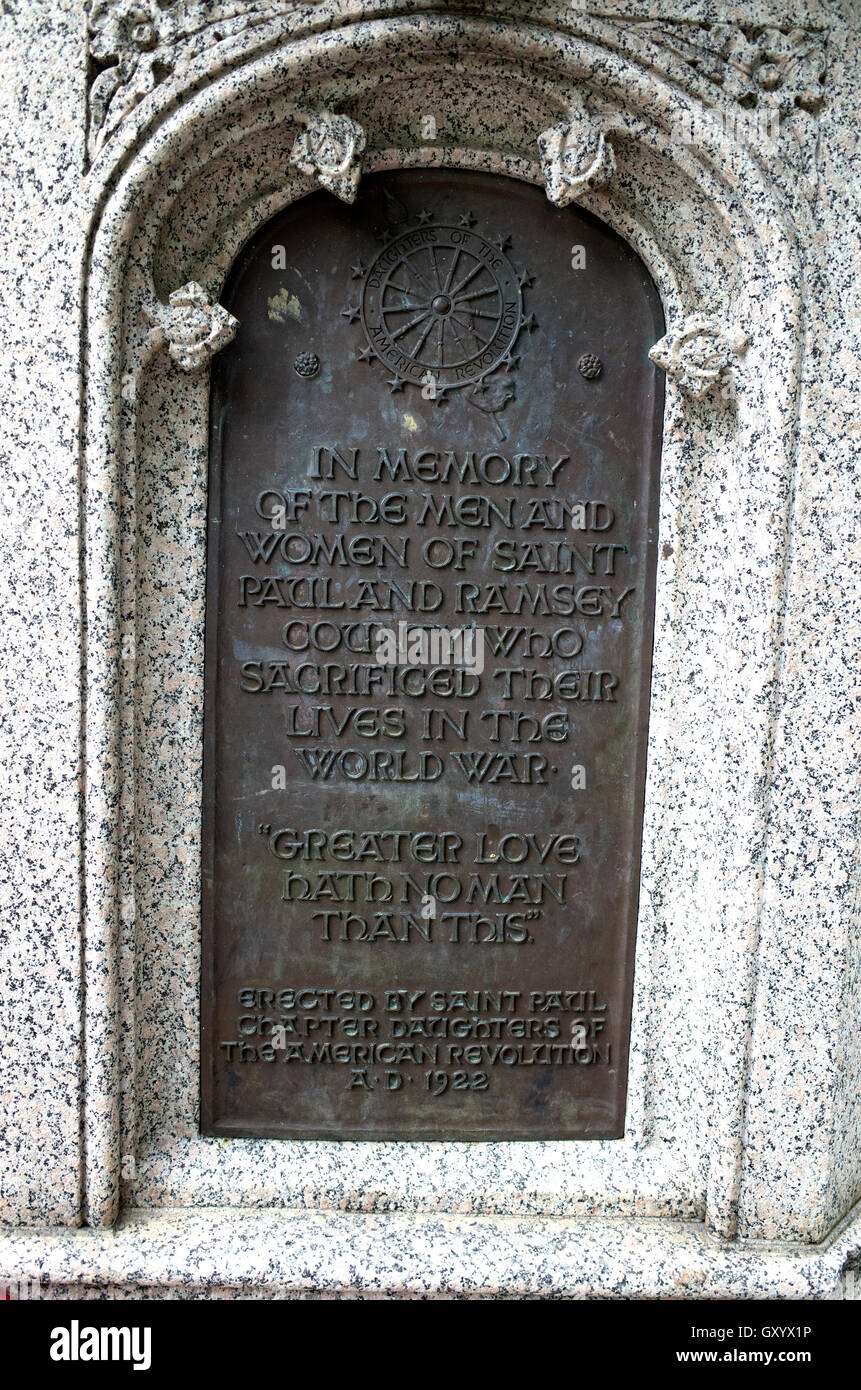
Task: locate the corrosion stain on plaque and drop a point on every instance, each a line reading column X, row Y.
column 430, row 599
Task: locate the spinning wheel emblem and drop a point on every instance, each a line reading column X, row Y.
column 442, row 301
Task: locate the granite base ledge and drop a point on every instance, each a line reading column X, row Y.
column 217, row 1254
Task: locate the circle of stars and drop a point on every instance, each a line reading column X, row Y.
column 389, row 234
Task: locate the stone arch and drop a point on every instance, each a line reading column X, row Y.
column 193, row 175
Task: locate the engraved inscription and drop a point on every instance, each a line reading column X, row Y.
column 428, row 655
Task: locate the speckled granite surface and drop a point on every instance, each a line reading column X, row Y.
column 271, row 1254
column 40, row 629
column 744, row 1099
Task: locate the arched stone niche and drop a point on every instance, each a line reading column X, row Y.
column 185, row 180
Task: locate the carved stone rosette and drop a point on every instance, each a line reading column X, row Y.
column 330, row 148
column 193, row 328
column 698, row 354
column 575, row 157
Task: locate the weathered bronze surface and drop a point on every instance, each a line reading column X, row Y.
column 421, row 851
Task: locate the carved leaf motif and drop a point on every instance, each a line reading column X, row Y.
column 775, row 76
column 136, row 44
column 143, row 41
column 126, row 34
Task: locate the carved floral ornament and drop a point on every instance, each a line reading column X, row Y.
column 777, row 67
column 106, row 450
column 699, row 353
column 575, row 157
column 191, row 327
column 135, row 45
column 330, row 148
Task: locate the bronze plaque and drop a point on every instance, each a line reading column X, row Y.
column 435, row 446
